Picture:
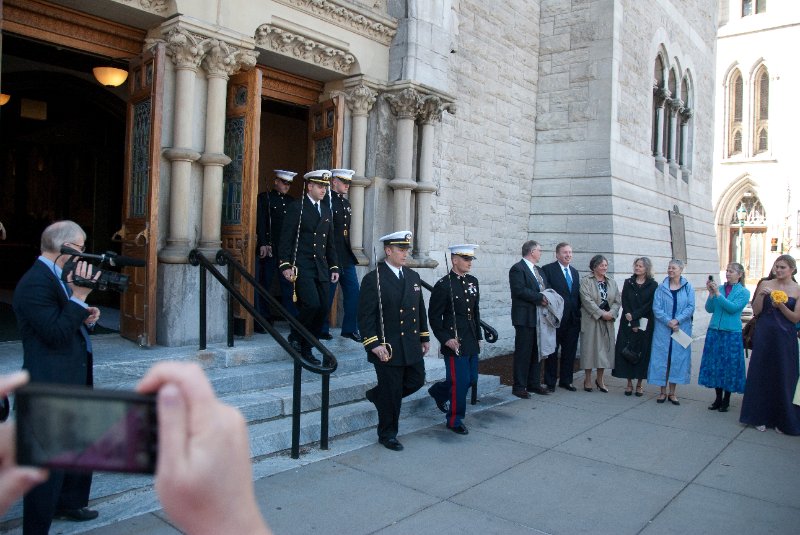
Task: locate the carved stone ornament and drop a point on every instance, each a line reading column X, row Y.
column 154, row 6
column 661, row 95
column 360, row 99
column 346, row 17
column 432, row 109
column 186, row 49
column 406, row 104
column 675, row 105
column 223, row 59
column 300, row 47
column 686, row 114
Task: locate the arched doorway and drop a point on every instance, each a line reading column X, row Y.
column 747, row 232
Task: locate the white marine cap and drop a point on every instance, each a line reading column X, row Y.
column 320, row 176
column 288, row 176
column 465, row 249
column 401, row 238
column 343, row 174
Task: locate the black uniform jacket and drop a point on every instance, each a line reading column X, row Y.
column 272, row 207
column 53, row 344
column 465, row 298
column 316, row 255
column 572, row 296
column 341, row 229
column 526, row 294
column 404, row 316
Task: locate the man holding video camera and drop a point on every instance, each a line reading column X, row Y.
column 54, row 321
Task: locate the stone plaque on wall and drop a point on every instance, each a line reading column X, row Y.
column 677, row 231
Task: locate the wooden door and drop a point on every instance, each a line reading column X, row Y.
column 754, row 247
column 240, row 178
column 139, row 230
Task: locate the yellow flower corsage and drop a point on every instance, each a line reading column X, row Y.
column 778, row 296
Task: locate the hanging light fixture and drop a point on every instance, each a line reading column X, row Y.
column 110, row 76
column 4, row 99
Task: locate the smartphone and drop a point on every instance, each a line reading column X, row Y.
column 76, row 428
column 711, row 278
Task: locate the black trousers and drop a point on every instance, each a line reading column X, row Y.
column 394, row 383
column 63, row 490
column 526, row 359
column 567, row 342
column 312, row 304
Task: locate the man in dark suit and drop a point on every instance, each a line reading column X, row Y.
column 565, row 280
column 394, row 325
column 271, row 210
column 307, row 257
column 348, row 280
column 455, row 318
column 53, row 319
column 527, row 283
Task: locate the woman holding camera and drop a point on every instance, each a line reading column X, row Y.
column 773, row 372
column 635, row 334
column 673, row 308
column 722, row 367
column 600, row 303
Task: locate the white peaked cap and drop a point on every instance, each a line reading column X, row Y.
column 284, row 175
column 464, row 249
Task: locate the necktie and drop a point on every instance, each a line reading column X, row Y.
column 400, row 275
column 568, row 276
column 316, row 205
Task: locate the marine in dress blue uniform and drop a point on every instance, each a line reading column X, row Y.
column 455, row 321
column 348, row 280
column 394, row 325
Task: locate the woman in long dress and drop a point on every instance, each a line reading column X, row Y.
column 600, row 302
column 636, row 328
column 722, row 367
column 673, row 308
column 773, row 372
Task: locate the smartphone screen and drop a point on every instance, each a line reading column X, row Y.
column 80, row 429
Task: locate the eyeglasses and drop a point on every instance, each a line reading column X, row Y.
column 81, row 248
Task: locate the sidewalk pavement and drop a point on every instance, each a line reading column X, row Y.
column 570, row 462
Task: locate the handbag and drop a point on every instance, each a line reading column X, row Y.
column 629, row 351
column 748, row 331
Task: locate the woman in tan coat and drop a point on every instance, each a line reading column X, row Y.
column 600, row 304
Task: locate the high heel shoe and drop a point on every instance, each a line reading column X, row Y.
column 629, row 391
column 587, row 388
column 673, row 399
column 600, row 388
column 662, row 397
column 639, row 391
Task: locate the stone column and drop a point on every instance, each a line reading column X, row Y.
column 661, row 96
column 674, row 105
column 186, row 51
column 683, row 158
column 359, row 100
column 430, row 113
column 405, row 105
column 221, row 61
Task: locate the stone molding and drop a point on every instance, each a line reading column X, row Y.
column 360, row 21
column 224, row 60
column 301, row 47
column 406, row 104
column 359, row 99
column 153, row 6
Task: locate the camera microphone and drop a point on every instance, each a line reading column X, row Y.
column 110, row 257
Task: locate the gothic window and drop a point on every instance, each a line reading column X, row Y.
column 658, row 105
column 735, row 100
column 668, row 140
column 761, row 110
column 684, row 130
column 749, row 5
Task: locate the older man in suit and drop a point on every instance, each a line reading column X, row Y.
column 53, row 319
column 527, row 283
column 565, row 280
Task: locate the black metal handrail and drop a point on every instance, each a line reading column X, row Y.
column 329, row 362
column 489, row 334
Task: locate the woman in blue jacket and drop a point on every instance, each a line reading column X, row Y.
column 673, row 308
column 722, row 367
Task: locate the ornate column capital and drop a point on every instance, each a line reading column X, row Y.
column 223, row 60
column 675, row 105
column 185, row 48
column 661, row 94
column 432, row 108
column 406, row 104
column 686, row 114
column 360, row 99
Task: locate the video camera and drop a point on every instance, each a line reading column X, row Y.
column 108, row 280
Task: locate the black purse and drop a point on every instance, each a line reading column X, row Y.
column 630, row 352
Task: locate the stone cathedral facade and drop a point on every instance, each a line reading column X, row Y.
column 587, row 121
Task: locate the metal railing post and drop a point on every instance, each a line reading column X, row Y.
column 230, row 311
column 323, row 412
column 296, row 393
column 202, row 307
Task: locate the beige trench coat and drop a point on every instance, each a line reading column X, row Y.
column 597, row 335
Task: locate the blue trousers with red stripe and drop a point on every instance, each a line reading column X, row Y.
column 461, row 372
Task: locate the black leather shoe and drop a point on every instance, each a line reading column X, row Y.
column 442, row 405
column 601, row 388
column 370, row 395
column 392, row 444
column 326, row 336
column 296, row 345
column 521, row 394
column 716, row 405
column 568, row 387
column 542, row 391
column 551, row 389
column 77, row 515
column 460, row 429
column 306, row 352
column 723, row 408
column 355, row 337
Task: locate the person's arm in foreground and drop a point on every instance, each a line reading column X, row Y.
column 203, row 476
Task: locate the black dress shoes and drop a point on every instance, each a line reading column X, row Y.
column 551, row 389
column 392, row 444
column 441, row 405
column 355, row 337
column 460, row 429
column 568, row 387
column 521, row 394
column 325, row 336
column 542, row 391
column 77, row 515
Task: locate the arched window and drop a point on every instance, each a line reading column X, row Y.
column 658, row 105
column 735, row 101
column 668, row 143
column 761, row 110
